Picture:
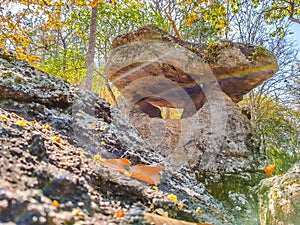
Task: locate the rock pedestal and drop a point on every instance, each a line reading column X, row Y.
column 213, row 138
column 151, row 66
column 215, row 143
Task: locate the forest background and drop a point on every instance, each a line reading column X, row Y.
column 71, row 39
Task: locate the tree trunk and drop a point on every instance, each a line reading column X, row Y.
column 91, row 50
column 168, row 113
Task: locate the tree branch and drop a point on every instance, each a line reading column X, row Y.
column 174, row 26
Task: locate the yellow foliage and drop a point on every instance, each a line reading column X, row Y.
column 98, row 158
column 172, row 197
column 155, row 188
column 47, row 127
column 22, row 123
column 3, row 117
column 57, row 139
column 75, row 212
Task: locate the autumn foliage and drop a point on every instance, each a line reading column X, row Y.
column 269, row 170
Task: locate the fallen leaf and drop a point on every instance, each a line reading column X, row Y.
column 47, row 127
column 127, row 173
column 198, row 210
column 33, row 122
column 3, row 117
column 172, row 197
column 161, row 220
column 22, row 123
column 269, row 170
column 155, row 188
column 102, row 143
column 116, row 164
column 94, row 124
column 98, row 159
column 146, row 173
column 75, row 212
column 55, row 204
column 180, row 205
column 56, row 139
column 120, row 213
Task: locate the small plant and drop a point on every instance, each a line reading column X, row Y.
column 212, row 51
column 259, row 51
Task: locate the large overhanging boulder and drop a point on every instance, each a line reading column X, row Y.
column 152, row 68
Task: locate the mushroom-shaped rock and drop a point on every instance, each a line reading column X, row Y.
column 152, row 68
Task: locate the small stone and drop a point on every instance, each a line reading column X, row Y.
column 16, row 152
column 3, row 204
column 37, row 146
column 69, row 204
column 42, row 219
column 34, row 219
column 64, row 217
column 95, row 207
column 80, row 204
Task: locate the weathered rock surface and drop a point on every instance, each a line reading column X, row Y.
column 150, row 65
column 215, row 143
column 279, row 198
column 36, row 170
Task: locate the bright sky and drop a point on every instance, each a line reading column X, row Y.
column 296, row 29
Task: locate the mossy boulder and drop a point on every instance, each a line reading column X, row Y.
column 279, row 198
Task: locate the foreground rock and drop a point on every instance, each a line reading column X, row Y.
column 152, row 68
column 42, row 164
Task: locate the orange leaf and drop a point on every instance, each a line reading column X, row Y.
column 93, row 3
column 120, row 213
column 33, row 122
column 146, row 173
column 55, row 204
column 180, row 205
column 117, row 164
column 160, row 220
column 57, row 139
column 269, row 170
